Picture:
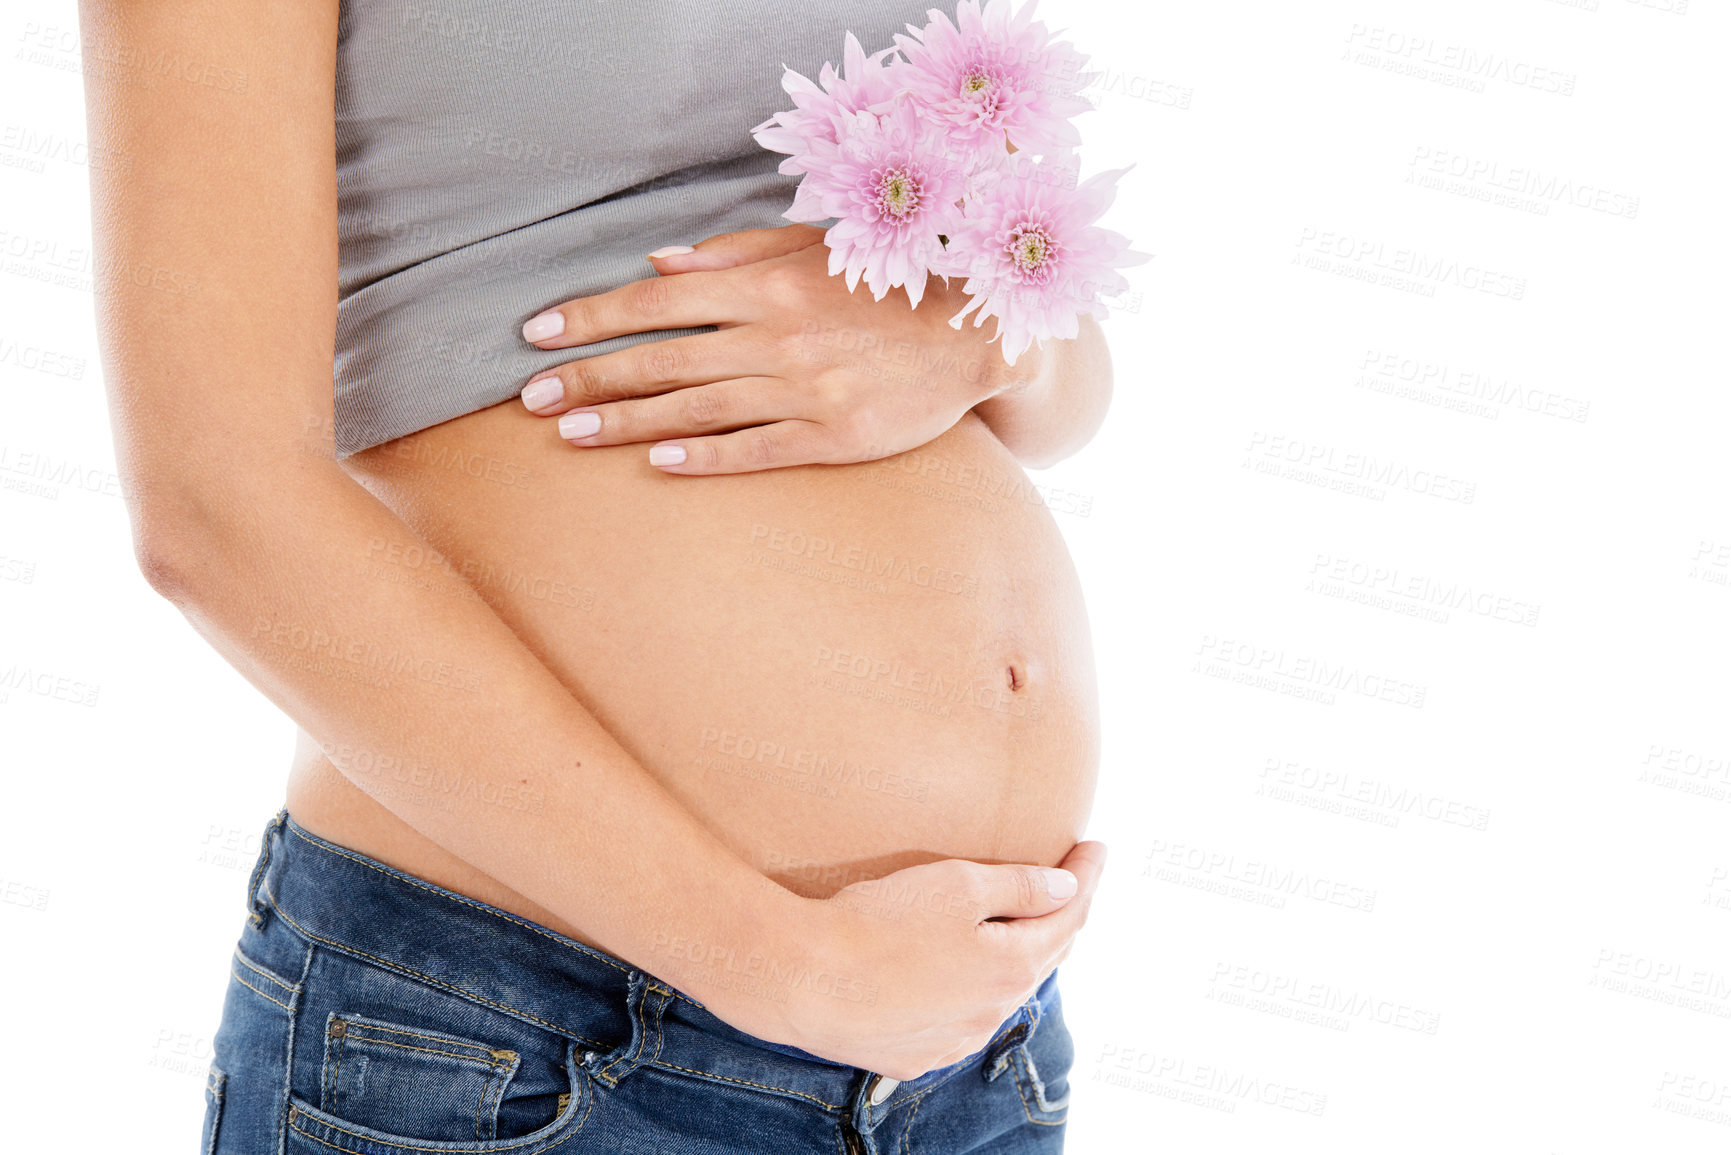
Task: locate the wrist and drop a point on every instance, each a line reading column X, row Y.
column 809, row 957
column 747, row 965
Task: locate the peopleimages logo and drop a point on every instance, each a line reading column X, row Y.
column 1382, row 584
column 1461, row 388
column 1457, row 65
column 1516, row 186
column 1303, row 675
column 1303, row 459
column 1372, row 257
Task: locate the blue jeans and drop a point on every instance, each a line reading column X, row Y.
column 370, row 1011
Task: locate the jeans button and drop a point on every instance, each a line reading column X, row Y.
column 882, row 1088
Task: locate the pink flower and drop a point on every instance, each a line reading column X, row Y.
column 1032, row 255
column 864, row 85
column 893, row 187
column 911, row 157
column 996, row 75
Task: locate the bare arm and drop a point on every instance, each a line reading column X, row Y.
column 243, row 519
column 1056, row 399
column 216, row 312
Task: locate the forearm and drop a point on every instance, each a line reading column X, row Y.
column 221, row 403
column 411, row 689
column 1055, row 403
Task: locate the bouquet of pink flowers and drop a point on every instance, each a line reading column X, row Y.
column 958, row 157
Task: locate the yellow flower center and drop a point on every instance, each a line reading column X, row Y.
column 1032, row 252
column 898, row 192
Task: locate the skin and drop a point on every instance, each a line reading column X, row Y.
column 805, row 370
column 222, row 410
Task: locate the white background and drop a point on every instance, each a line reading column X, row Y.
column 1406, row 255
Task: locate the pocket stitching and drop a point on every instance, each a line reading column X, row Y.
column 216, row 1084
column 336, row 1068
column 419, row 1145
column 1026, row 1074
column 663, row 1064
column 908, row 1135
column 501, row 1078
column 499, row 1074
column 480, row 1101
column 398, row 968
column 254, row 967
column 260, row 993
column 359, row 1028
column 489, row 1062
column 369, row 1027
column 292, row 988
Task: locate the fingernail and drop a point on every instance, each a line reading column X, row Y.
column 671, row 251
column 1059, row 883
column 542, row 393
column 545, row 326
column 667, row 455
column 579, row 425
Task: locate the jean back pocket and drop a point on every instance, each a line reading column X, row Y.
column 411, row 1080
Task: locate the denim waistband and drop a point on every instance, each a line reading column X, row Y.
column 346, row 901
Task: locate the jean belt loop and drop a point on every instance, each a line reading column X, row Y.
column 997, row 1057
column 645, row 1000
column 257, row 909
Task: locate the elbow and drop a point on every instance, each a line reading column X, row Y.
column 192, row 531
column 166, row 561
column 180, row 535
column 1044, row 456
column 1091, row 398
column 153, row 563
column 1047, row 454
column 1096, row 372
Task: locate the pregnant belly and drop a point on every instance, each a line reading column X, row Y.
column 841, row 670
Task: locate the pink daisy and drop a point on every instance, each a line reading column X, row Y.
column 1032, row 255
column 892, row 186
column 863, row 85
column 994, row 76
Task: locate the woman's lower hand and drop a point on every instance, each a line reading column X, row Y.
column 799, row 372
column 917, row 970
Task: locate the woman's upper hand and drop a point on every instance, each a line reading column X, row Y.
column 916, row 970
column 800, row 371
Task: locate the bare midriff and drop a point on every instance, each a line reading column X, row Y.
column 840, row 670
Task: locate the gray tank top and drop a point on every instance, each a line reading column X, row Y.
column 497, row 157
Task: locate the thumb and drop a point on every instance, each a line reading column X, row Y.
column 725, row 250
column 1086, row 860
column 1020, row 891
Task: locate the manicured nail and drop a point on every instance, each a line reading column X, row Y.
column 667, row 455
column 579, row 425
column 542, row 393
column 671, row 251
column 545, row 326
column 1059, row 883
